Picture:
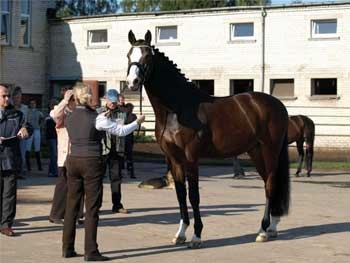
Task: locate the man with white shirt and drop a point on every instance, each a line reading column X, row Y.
column 111, row 144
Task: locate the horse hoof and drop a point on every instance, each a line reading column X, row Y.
column 195, row 244
column 179, row 240
column 262, row 237
column 272, row 233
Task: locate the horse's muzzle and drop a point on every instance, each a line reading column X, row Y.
column 135, row 85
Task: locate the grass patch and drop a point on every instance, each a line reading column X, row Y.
column 327, row 165
column 324, row 165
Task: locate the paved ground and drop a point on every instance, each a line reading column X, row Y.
column 316, row 230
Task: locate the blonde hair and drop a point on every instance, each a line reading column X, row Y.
column 82, row 94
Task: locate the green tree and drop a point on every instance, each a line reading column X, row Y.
column 85, row 7
column 252, row 2
column 128, row 6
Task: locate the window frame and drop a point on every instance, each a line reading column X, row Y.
column 232, row 83
column 8, row 13
column 166, row 41
column 232, row 31
column 96, row 44
column 323, row 35
column 274, row 81
column 318, row 96
column 28, row 16
column 202, row 84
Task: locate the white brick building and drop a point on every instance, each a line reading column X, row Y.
column 24, row 46
column 299, row 53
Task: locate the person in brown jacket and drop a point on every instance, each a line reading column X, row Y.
column 85, row 169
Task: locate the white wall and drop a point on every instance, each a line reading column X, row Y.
column 26, row 66
column 204, row 51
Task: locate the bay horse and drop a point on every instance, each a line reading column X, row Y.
column 302, row 129
column 192, row 124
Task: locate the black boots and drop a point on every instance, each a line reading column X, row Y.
column 38, row 161
column 28, row 161
column 130, row 169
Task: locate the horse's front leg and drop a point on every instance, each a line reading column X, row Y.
column 192, row 177
column 180, row 236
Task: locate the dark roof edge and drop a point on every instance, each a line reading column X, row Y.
column 205, row 10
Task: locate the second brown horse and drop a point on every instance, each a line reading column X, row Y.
column 302, row 129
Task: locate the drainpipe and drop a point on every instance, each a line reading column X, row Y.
column 1, row 64
column 263, row 15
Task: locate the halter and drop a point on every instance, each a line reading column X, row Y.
column 142, row 69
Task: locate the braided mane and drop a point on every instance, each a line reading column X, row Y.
column 177, row 93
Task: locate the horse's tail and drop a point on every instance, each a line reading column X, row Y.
column 280, row 195
column 311, row 134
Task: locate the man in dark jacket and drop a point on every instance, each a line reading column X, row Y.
column 12, row 129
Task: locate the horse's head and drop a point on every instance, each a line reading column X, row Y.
column 140, row 60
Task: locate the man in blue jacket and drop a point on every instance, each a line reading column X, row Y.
column 13, row 128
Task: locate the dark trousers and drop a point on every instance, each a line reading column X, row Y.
column 128, row 157
column 112, row 164
column 60, row 197
column 8, row 198
column 84, row 174
column 53, row 157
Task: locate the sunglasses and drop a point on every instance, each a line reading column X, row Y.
column 5, row 96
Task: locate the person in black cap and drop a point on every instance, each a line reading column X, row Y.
column 113, row 147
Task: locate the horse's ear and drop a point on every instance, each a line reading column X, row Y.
column 132, row 38
column 148, row 37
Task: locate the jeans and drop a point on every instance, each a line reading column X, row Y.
column 36, row 138
column 23, row 147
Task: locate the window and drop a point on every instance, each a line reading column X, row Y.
column 130, row 95
column 242, row 30
column 282, row 87
column 5, row 22
column 25, row 23
column 323, row 87
column 102, row 86
column 324, row 28
column 206, row 86
column 166, row 34
column 241, row 85
column 97, row 37
column 27, row 97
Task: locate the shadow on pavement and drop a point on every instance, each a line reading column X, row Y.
column 290, row 234
column 22, row 225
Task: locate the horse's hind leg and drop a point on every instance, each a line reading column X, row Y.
column 180, row 187
column 257, row 158
column 300, row 148
column 192, row 177
column 309, row 157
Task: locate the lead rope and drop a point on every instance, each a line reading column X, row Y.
column 162, row 134
column 138, row 131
